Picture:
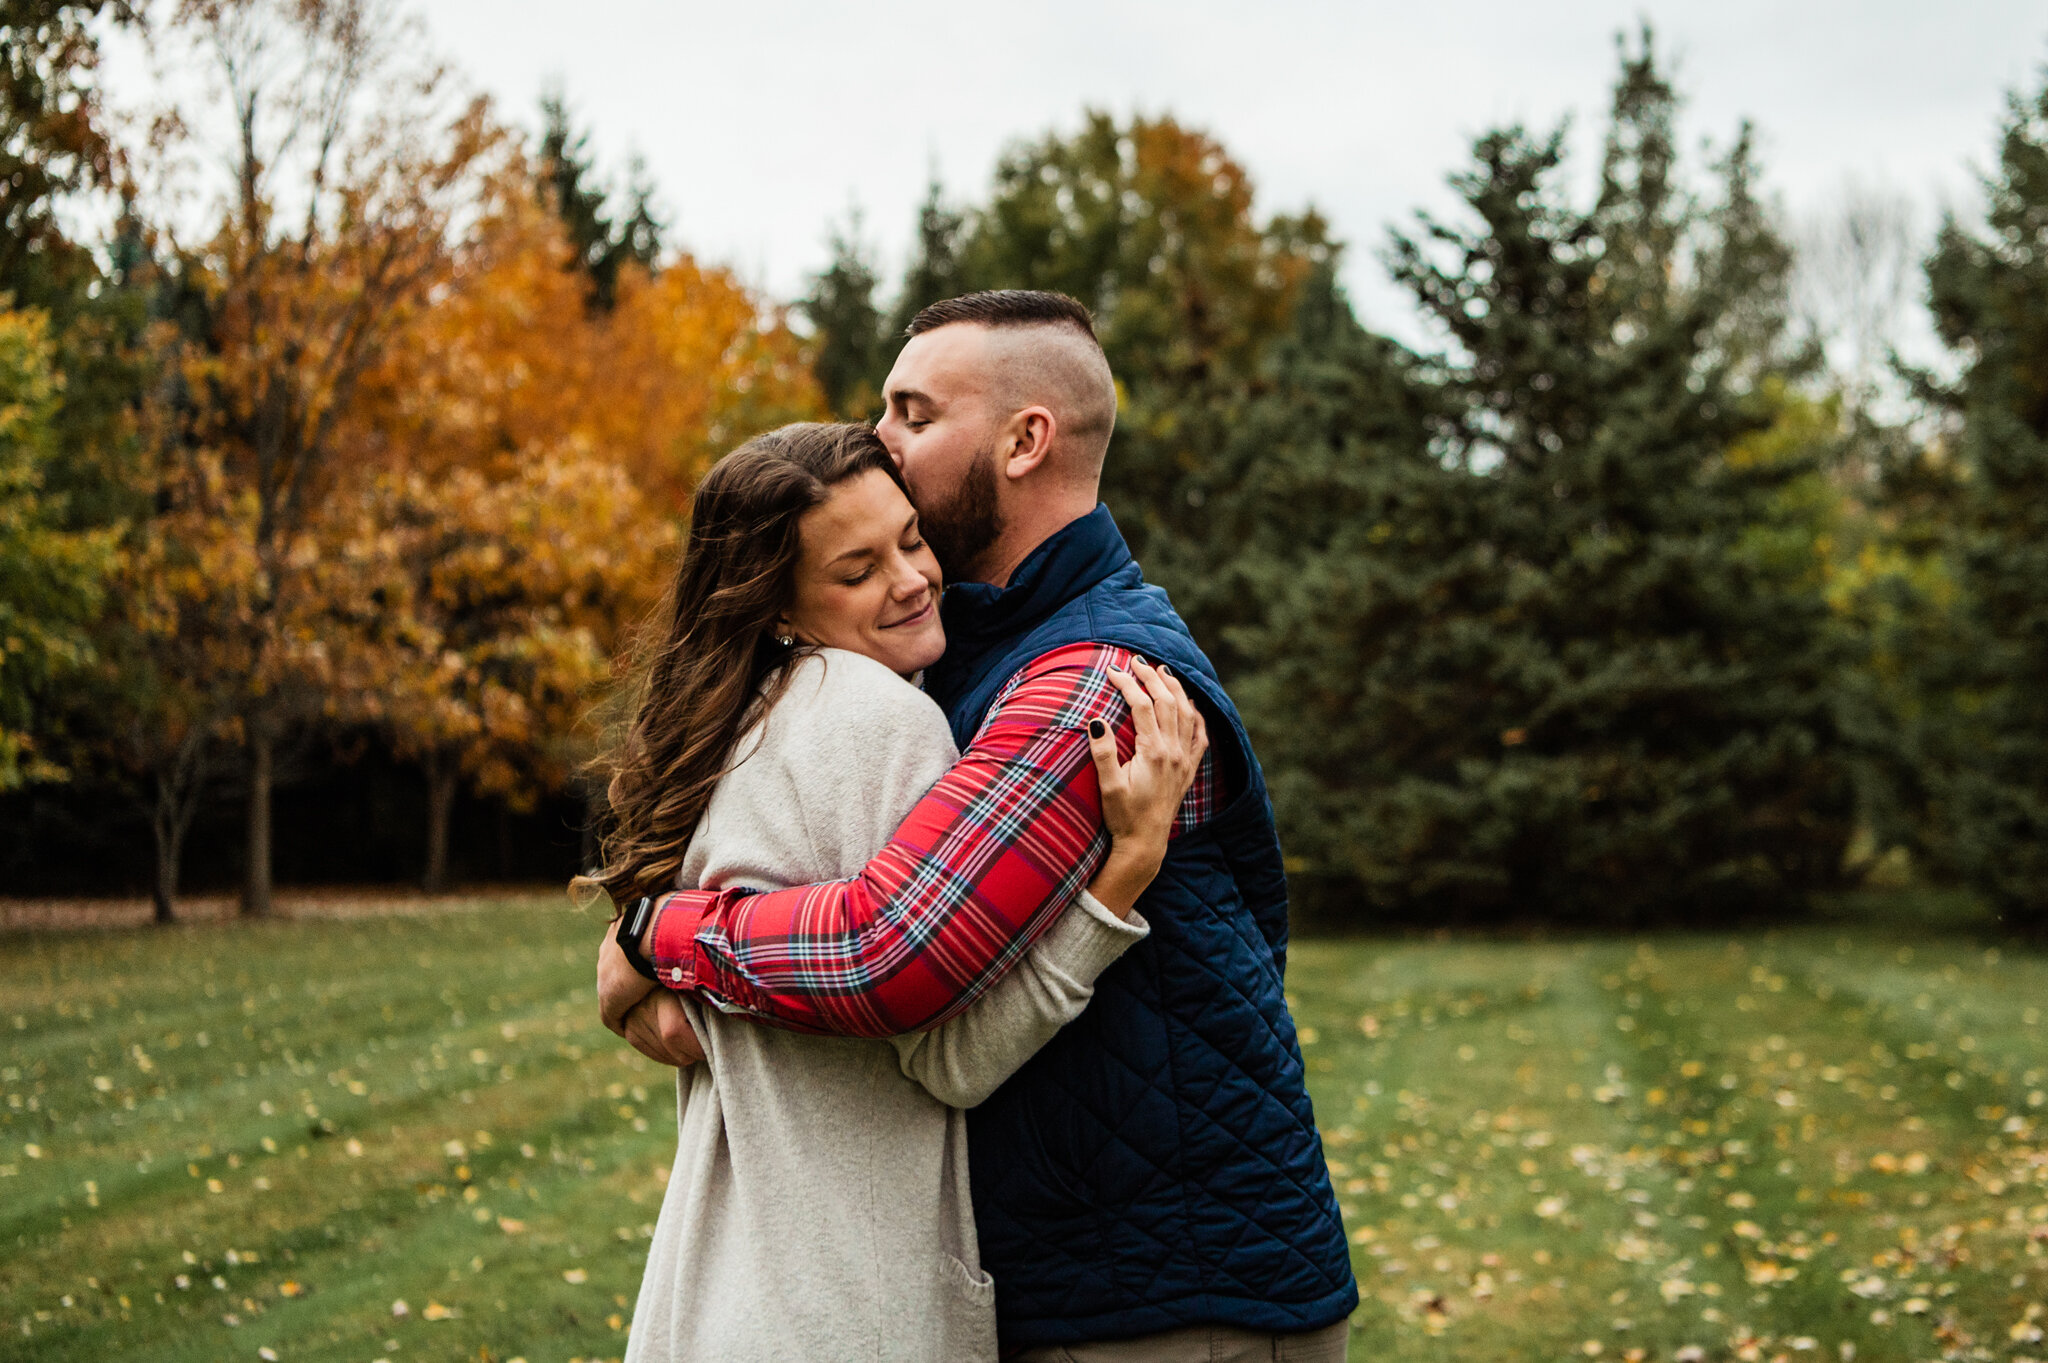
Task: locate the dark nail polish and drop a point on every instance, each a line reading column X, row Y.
column 1165, row 671
column 1095, row 729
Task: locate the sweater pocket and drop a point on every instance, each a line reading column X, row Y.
column 967, row 1329
column 970, row 1285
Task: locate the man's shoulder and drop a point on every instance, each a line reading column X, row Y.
column 1110, row 643
column 1083, row 655
column 1063, row 666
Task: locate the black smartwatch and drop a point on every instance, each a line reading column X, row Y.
column 632, row 925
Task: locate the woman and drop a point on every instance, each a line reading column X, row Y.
column 818, row 1206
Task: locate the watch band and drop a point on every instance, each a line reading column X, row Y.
column 632, row 925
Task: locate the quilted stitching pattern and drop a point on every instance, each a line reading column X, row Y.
column 1198, row 1181
column 1157, row 1164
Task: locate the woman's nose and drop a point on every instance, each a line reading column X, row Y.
column 909, row 583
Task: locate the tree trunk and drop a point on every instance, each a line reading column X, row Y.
column 163, row 894
column 178, row 786
column 256, row 901
column 168, row 823
column 441, row 772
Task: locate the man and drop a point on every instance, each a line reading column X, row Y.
column 1151, row 1185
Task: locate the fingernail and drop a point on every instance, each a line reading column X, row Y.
column 1095, row 729
column 1165, row 671
column 1137, row 658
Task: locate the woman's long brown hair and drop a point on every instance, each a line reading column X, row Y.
column 710, row 656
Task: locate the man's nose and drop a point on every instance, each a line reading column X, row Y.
column 886, row 432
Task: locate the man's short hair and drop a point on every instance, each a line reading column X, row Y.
column 1005, row 308
column 1042, row 349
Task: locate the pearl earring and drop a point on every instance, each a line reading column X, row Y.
column 785, row 640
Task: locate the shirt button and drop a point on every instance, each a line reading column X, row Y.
column 675, row 974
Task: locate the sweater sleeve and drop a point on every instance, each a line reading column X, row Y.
column 963, row 1061
column 977, row 871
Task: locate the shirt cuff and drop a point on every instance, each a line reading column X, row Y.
column 1085, row 939
column 673, row 943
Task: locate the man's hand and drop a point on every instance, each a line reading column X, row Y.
column 658, row 1028
column 619, row 986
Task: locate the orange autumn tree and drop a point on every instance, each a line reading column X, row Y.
column 699, row 365
column 353, row 177
column 534, row 456
column 480, row 638
column 172, row 653
column 684, row 365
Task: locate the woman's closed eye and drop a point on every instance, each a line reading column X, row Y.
column 869, row 571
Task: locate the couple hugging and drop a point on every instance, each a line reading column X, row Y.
column 1019, row 843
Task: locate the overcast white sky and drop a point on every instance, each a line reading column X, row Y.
column 761, row 123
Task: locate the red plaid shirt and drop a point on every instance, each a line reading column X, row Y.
column 981, row 866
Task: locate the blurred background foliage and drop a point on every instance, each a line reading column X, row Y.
column 1653, row 591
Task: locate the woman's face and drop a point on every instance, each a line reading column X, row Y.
column 866, row 581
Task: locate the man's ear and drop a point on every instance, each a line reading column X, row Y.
column 1029, row 435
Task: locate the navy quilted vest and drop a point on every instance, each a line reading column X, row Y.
column 1157, row 1164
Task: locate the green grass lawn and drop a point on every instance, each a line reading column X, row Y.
column 224, row 1140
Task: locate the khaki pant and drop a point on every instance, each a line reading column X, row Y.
column 1203, row 1344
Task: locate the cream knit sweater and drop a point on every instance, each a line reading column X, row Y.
column 818, row 1206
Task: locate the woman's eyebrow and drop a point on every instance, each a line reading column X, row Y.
column 862, row 552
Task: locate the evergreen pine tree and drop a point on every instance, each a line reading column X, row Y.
column 600, row 245
column 1990, row 297
column 934, row 272
column 639, row 233
column 850, row 350
column 1326, row 631
column 1563, row 666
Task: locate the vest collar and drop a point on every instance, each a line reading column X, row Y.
column 1075, row 558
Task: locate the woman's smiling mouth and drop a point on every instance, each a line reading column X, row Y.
column 922, row 614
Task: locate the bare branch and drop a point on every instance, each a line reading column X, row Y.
column 1858, row 265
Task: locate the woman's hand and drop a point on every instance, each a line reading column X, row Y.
column 637, row 1009
column 1141, row 798
column 658, row 1028
column 619, row 986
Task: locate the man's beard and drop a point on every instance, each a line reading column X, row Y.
column 965, row 525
